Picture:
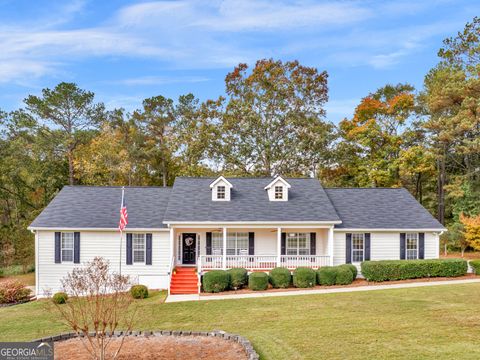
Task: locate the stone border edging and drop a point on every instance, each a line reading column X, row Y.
column 245, row 343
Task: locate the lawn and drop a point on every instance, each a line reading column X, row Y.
column 439, row 322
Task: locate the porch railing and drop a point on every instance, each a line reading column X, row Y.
column 261, row 262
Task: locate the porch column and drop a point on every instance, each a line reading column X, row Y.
column 224, row 261
column 330, row 245
column 279, row 246
column 172, row 245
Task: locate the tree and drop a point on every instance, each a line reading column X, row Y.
column 70, row 109
column 273, row 119
column 471, row 230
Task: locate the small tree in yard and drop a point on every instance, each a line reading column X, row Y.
column 471, row 230
column 99, row 303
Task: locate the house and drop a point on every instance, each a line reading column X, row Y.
column 201, row 224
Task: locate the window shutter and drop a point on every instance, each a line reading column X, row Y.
column 251, row 243
column 313, row 243
column 402, row 246
column 58, row 236
column 367, row 247
column 76, row 247
column 129, row 249
column 148, row 248
column 283, row 247
column 421, row 245
column 348, row 248
column 209, row 243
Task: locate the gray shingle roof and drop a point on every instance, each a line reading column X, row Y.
column 99, row 206
column 191, row 200
column 377, row 208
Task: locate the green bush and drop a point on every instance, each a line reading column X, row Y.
column 258, row 281
column 139, row 291
column 238, row 278
column 1, row 273
column 350, row 267
column 344, row 275
column 216, row 281
column 327, row 275
column 475, row 264
column 60, row 298
column 280, row 278
column 304, row 277
column 13, row 291
column 386, row 270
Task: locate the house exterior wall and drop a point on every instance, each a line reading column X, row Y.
column 105, row 244
column 383, row 246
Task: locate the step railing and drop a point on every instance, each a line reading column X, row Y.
column 170, row 273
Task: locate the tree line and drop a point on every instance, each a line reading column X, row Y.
column 271, row 120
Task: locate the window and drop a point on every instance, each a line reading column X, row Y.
column 67, row 247
column 278, row 192
column 221, row 192
column 217, row 243
column 138, row 248
column 237, row 243
column 411, row 243
column 298, row 244
column 358, row 247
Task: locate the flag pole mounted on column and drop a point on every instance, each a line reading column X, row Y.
column 122, row 224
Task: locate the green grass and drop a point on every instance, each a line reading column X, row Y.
column 439, row 322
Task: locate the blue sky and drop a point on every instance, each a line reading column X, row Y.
column 126, row 51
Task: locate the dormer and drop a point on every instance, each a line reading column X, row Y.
column 221, row 189
column 278, row 189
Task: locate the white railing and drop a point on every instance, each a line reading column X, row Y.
column 261, row 262
column 170, row 273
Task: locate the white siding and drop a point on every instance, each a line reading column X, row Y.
column 107, row 245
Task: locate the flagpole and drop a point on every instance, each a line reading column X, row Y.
column 121, row 231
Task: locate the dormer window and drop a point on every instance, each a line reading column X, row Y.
column 278, row 192
column 221, row 189
column 220, row 192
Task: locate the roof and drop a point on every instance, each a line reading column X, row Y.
column 99, row 207
column 191, row 201
column 380, row 208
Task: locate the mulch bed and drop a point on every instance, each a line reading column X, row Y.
column 161, row 348
column 356, row 283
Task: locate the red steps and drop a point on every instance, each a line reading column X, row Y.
column 184, row 281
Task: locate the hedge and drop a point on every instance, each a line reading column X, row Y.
column 386, row 270
column 238, row 278
column 60, row 298
column 139, row 291
column 280, row 278
column 258, row 281
column 350, row 267
column 216, row 281
column 475, row 264
column 344, row 275
column 326, row 275
column 304, row 277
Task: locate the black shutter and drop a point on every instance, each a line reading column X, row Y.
column 251, row 243
column 283, row 247
column 402, row 246
column 421, row 245
column 76, row 247
column 367, row 247
column 208, row 245
column 313, row 243
column 148, row 247
column 348, row 248
column 129, row 249
column 58, row 237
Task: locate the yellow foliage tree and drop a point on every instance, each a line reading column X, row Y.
column 471, row 230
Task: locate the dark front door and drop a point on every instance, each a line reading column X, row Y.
column 189, row 245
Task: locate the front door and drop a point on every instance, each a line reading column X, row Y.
column 189, row 245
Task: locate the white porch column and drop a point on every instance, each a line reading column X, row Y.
column 224, row 261
column 279, row 246
column 330, row 245
column 172, row 245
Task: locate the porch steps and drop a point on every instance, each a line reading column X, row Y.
column 184, row 281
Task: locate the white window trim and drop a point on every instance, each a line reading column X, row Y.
column 65, row 248
column 278, row 190
column 363, row 248
column 417, row 237
column 144, row 248
column 297, row 248
column 237, row 249
column 223, row 192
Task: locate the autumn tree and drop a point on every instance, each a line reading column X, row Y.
column 471, row 230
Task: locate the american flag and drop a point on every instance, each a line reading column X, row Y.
column 123, row 213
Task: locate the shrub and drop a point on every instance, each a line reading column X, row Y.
column 139, row 291
column 327, row 275
column 1, row 273
column 475, row 264
column 350, row 267
column 215, row 281
column 60, row 298
column 258, row 281
column 304, row 277
column 280, row 278
column 344, row 275
column 410, row 269
column 238, row 278
column 13, row 291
